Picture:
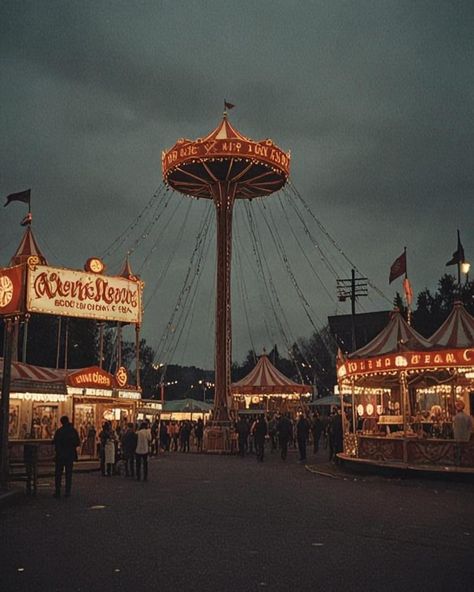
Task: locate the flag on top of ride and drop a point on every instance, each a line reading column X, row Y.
column 458, row 255
column 398, row 268
column 23, row 196
column 228, row 105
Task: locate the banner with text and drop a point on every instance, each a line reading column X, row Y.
column 70, row 293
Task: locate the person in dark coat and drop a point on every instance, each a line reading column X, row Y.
column 260, row 430
column 65, row 440
column 285, row 434
column 129, row 445
column 199, row 433
column 317, row 428
column 336, row 435
column 242, row 429
column 302, row 433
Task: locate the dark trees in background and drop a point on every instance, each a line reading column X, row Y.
column 42, row 341
column 432, row 309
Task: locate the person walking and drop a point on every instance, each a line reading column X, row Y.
column 110, row 449
column 285, row 434
column 242, row 429
column 335, row 435
column 129, row 445
column 142, row 450
column 272, row 432
column 317, row 428
column 65, row 440
column 199, row 433
column 260, row 431
column 302, row 433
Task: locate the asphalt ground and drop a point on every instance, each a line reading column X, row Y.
column 205, row 523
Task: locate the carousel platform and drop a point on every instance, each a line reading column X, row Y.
column 403, row 469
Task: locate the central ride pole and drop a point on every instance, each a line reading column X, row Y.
column 224, row 196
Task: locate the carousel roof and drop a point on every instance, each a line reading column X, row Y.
column 225, row 131
column 225, row 156
column 457, row 331
column 28, row 247
column 265, row 379
column 397, row 336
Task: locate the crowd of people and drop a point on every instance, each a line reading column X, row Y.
column 125, row 451
column 282, row 432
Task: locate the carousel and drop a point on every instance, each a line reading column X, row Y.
column 405, row 391
column 266, row 389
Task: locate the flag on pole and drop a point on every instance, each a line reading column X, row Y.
column 408, row 291
column 398, row 268
column 228, row 105
column 458, row 255
column 27, row 220
column 23, row 196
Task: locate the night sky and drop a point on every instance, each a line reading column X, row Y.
column 374, row 100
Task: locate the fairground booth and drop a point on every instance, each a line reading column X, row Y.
column 404, row 389
column 266, row 389
column 89, row 396
column 34, row 398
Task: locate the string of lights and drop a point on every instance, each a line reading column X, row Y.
column 297, row 194
column 122, row 237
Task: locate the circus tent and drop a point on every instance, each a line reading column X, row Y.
column 457, row 331
column 265, row 379
column 397, row 336
column 265, row 386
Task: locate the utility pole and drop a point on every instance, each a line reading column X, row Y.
column 352, row 288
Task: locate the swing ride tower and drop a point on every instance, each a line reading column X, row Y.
column 224, row 166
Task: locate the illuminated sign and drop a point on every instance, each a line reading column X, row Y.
column 11, row 290
column 66, row 292
column 452, row 358
column 187, row 151
column 93, row 377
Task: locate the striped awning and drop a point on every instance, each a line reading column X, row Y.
column 27, row 372
column 265, row 379
column 397, row 336
column 457, row 331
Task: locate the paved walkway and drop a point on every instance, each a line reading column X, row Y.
column 205, row 523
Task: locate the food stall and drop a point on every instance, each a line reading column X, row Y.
column 89, row 396
column 403, row 389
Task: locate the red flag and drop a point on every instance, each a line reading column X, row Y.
column 23, row 196
column 228, row 105
column 399, row 267
column 408, row 291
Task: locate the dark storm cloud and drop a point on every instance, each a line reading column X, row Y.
column 374, row 99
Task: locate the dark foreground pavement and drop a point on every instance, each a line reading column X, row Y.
column 211, row 523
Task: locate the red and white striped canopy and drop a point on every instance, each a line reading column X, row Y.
column 457, row 331
column 28, row 247
column 397, row 336
column 265, row 379
column 22, row 371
